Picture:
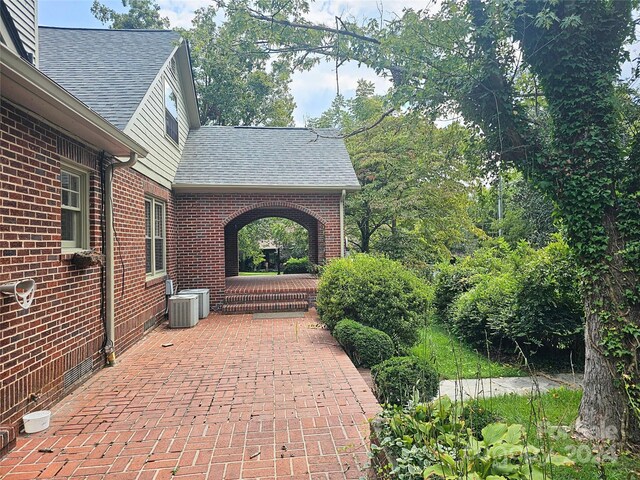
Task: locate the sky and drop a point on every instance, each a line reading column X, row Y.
column 313, row 91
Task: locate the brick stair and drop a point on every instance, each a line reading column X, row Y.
column 266, row 302
column 7, row 438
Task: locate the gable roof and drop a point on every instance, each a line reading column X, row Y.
column 26, row 86
column 261, row 158
column 109, row 70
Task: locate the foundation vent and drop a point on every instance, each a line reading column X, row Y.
column 150, row 323
column 77, row 372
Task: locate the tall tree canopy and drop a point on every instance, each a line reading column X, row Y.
column 236, row 85
column 236, row 82
column 414, row 200
column 563, row 129
column 142, row 14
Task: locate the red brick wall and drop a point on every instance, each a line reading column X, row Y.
column 63, row 326
column 201, row 220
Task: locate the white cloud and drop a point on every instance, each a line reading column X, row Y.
column 181, row 12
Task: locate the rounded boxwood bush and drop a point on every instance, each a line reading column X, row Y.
column 371, row 346
column 396, row 379
column 376, row 292
column 345, row 333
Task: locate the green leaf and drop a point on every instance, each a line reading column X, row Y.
column 494, row 432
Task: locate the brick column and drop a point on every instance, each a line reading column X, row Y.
column 231, row 250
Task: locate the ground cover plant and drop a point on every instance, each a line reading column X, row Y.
column 433, row 440
column 453, row 359
column 543, row 426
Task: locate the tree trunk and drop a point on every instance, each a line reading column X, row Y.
column 365, row 235
column 606, row 412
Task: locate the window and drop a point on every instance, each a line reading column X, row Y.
column 74, row 214
column 155, row 238
column 170, row 112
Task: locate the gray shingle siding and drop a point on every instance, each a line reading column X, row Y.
column 266, row 157
column 109, row 70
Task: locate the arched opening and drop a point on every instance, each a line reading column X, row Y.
column 266, row 246
column 313, row 227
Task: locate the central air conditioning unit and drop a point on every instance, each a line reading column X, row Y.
column 183, row 311
column 203, row 299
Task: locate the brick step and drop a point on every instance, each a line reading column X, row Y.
column 7, row 438
column 264, row 307
column 266, row 297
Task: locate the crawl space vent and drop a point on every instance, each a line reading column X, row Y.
column 77, row 372
column 150, row 323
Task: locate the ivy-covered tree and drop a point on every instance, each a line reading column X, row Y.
column 142, row 14
column 470, row 57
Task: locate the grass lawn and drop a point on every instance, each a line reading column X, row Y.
column 453, row 359
column 253, row 274
column 560, row 407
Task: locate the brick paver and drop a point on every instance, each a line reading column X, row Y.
column 232, row 398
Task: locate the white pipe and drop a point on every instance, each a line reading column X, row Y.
column 111, row 324
column 342, row 197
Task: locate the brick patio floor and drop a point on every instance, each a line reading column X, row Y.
column 232, row 398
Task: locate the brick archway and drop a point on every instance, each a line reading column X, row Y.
column 302, row 216
column 274, row 204
column 202, row 219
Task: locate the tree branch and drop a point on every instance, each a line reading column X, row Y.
column 320, row 28
column 359, row 130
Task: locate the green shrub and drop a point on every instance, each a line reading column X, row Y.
column 452, row 280
column 526, row 296
column 371, row 346
column 376, row 292
column 549, row 311
column 345, row 333
column 484, row 312
column 365, row 345
column 298, row 265
column 397, row 378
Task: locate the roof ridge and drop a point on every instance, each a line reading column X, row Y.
column 109, row 29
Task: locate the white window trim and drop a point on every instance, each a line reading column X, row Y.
column 156, row 273
column 164, row 104
column 83, row 241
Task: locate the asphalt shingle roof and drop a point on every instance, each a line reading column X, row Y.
column 265, row 157
column 108, row 70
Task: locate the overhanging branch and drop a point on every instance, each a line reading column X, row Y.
column 320, row 28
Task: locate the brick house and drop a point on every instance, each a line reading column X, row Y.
column 102, row 149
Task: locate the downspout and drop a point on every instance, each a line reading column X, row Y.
column 342, row 197
column 110, row 345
